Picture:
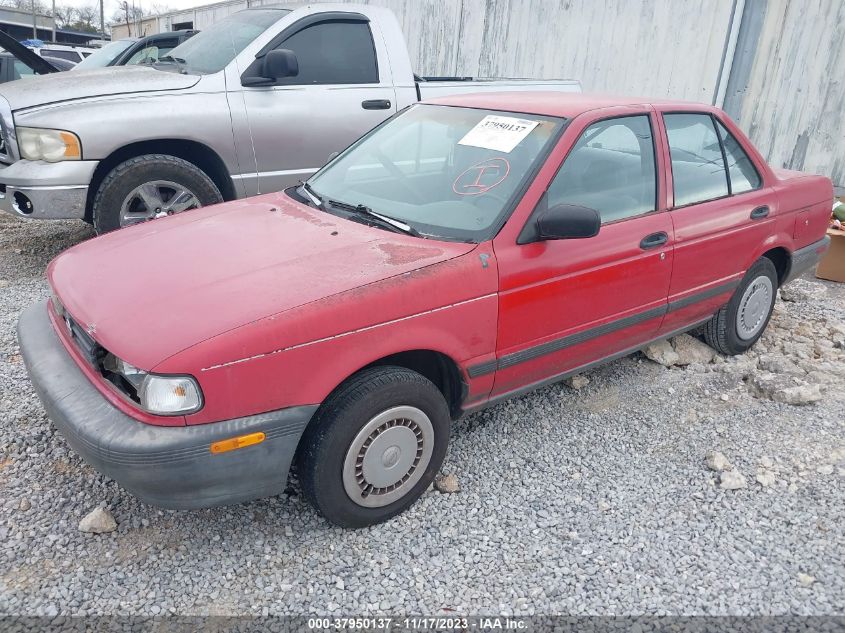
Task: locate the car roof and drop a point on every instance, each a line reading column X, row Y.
column 560, row 104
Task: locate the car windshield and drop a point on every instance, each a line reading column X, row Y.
column 104, row 56
column 210, row 50
column 448, row 172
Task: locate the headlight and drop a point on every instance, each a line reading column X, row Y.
column 161, row 395
column 170, row 394
column 50, row 145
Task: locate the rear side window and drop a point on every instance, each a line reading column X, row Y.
column 743, row 174
column 333, row 53
column 71, row 56
column 610, row 169
column 698, row 169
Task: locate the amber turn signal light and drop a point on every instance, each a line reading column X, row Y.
column 223, row 446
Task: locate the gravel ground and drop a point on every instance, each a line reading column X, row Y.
column 582, row 501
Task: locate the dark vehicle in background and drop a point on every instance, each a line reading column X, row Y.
column 133, row 50
column 17, row 61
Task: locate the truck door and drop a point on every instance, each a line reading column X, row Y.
column 344, row 88
column 564, row 304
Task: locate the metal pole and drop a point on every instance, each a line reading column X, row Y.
column 102, row 23
column 34, row 24
column 54, row 20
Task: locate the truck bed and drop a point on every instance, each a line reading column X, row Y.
column 432, row 87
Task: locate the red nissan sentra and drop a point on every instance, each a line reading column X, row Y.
column 467, row 250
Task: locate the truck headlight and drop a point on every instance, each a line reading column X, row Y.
column 49, row 145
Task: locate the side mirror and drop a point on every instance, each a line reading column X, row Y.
column 568, row 221
column 275, row 64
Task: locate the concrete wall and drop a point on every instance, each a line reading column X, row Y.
column 794, row 104
column 785, row 84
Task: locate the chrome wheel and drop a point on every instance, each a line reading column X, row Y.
column 754, row 307
column 156, row 199
column 388, row 457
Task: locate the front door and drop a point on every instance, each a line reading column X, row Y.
column 339, row 93
column 567, row 303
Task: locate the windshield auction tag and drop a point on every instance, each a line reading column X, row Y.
column 499, row 133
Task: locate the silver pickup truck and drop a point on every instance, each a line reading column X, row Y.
column 251, row 104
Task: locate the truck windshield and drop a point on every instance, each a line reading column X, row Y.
column 448, row 172
column 104, row 56
column 210, row 50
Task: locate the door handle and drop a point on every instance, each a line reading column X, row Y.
column 760, row 212
column 654, row 240
column 376, row 104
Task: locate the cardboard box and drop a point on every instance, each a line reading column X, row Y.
column 832, row 264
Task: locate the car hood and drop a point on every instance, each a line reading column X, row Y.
column 177, row 281
column 46, row 89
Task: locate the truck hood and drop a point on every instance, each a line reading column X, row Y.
column 150, row 291
column 46, row 89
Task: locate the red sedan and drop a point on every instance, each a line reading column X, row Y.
column 467, row 250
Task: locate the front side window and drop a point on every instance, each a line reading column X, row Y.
column 610, row 169
column 743, row 174
column 334, row 52
column 698, row 169
column 449, row 172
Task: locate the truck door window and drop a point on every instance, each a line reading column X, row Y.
column 743, row 174
column 333, row 52
column 22, row 70
column 610, row 169
column 698, row 169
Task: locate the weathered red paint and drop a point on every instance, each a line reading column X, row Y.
column 270, row 303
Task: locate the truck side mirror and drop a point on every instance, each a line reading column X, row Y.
column 280, row 63
column 275, row 64
column 568, row 221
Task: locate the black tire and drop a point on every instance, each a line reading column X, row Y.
column 132, row 173
column 721, row 332
column 339, row 421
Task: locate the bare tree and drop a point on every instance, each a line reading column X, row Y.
column 26, row 5
column 65, row 15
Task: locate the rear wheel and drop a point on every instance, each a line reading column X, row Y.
column 148, row 187
column 739, row 324
column 375, row 446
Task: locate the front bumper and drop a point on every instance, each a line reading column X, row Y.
column 36, row 189
column 170, row 467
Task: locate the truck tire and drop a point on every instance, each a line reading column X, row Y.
column 739, row 324
column 374, row 446
column 166, row 183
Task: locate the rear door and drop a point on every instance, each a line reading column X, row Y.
column 343, row 89
column 567, row 303
column 721, row 213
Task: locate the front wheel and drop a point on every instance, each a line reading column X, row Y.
column 738, row 325
column 374, row 447
column 148, row 187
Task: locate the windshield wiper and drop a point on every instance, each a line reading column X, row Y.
column 170, row 58
column 316, row 198
column 382, row 220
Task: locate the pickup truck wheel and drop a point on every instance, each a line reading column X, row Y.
column 738, row 325
column 150, row 186
column 374, row 446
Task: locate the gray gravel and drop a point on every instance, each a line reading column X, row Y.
column 588, row 501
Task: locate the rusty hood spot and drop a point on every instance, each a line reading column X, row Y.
column 398, row 254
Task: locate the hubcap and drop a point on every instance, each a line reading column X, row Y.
column 754, row 307
column 388, row 457
column 156, row 199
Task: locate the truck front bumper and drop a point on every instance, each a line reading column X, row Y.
column 170, row 467
column 37, row 189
